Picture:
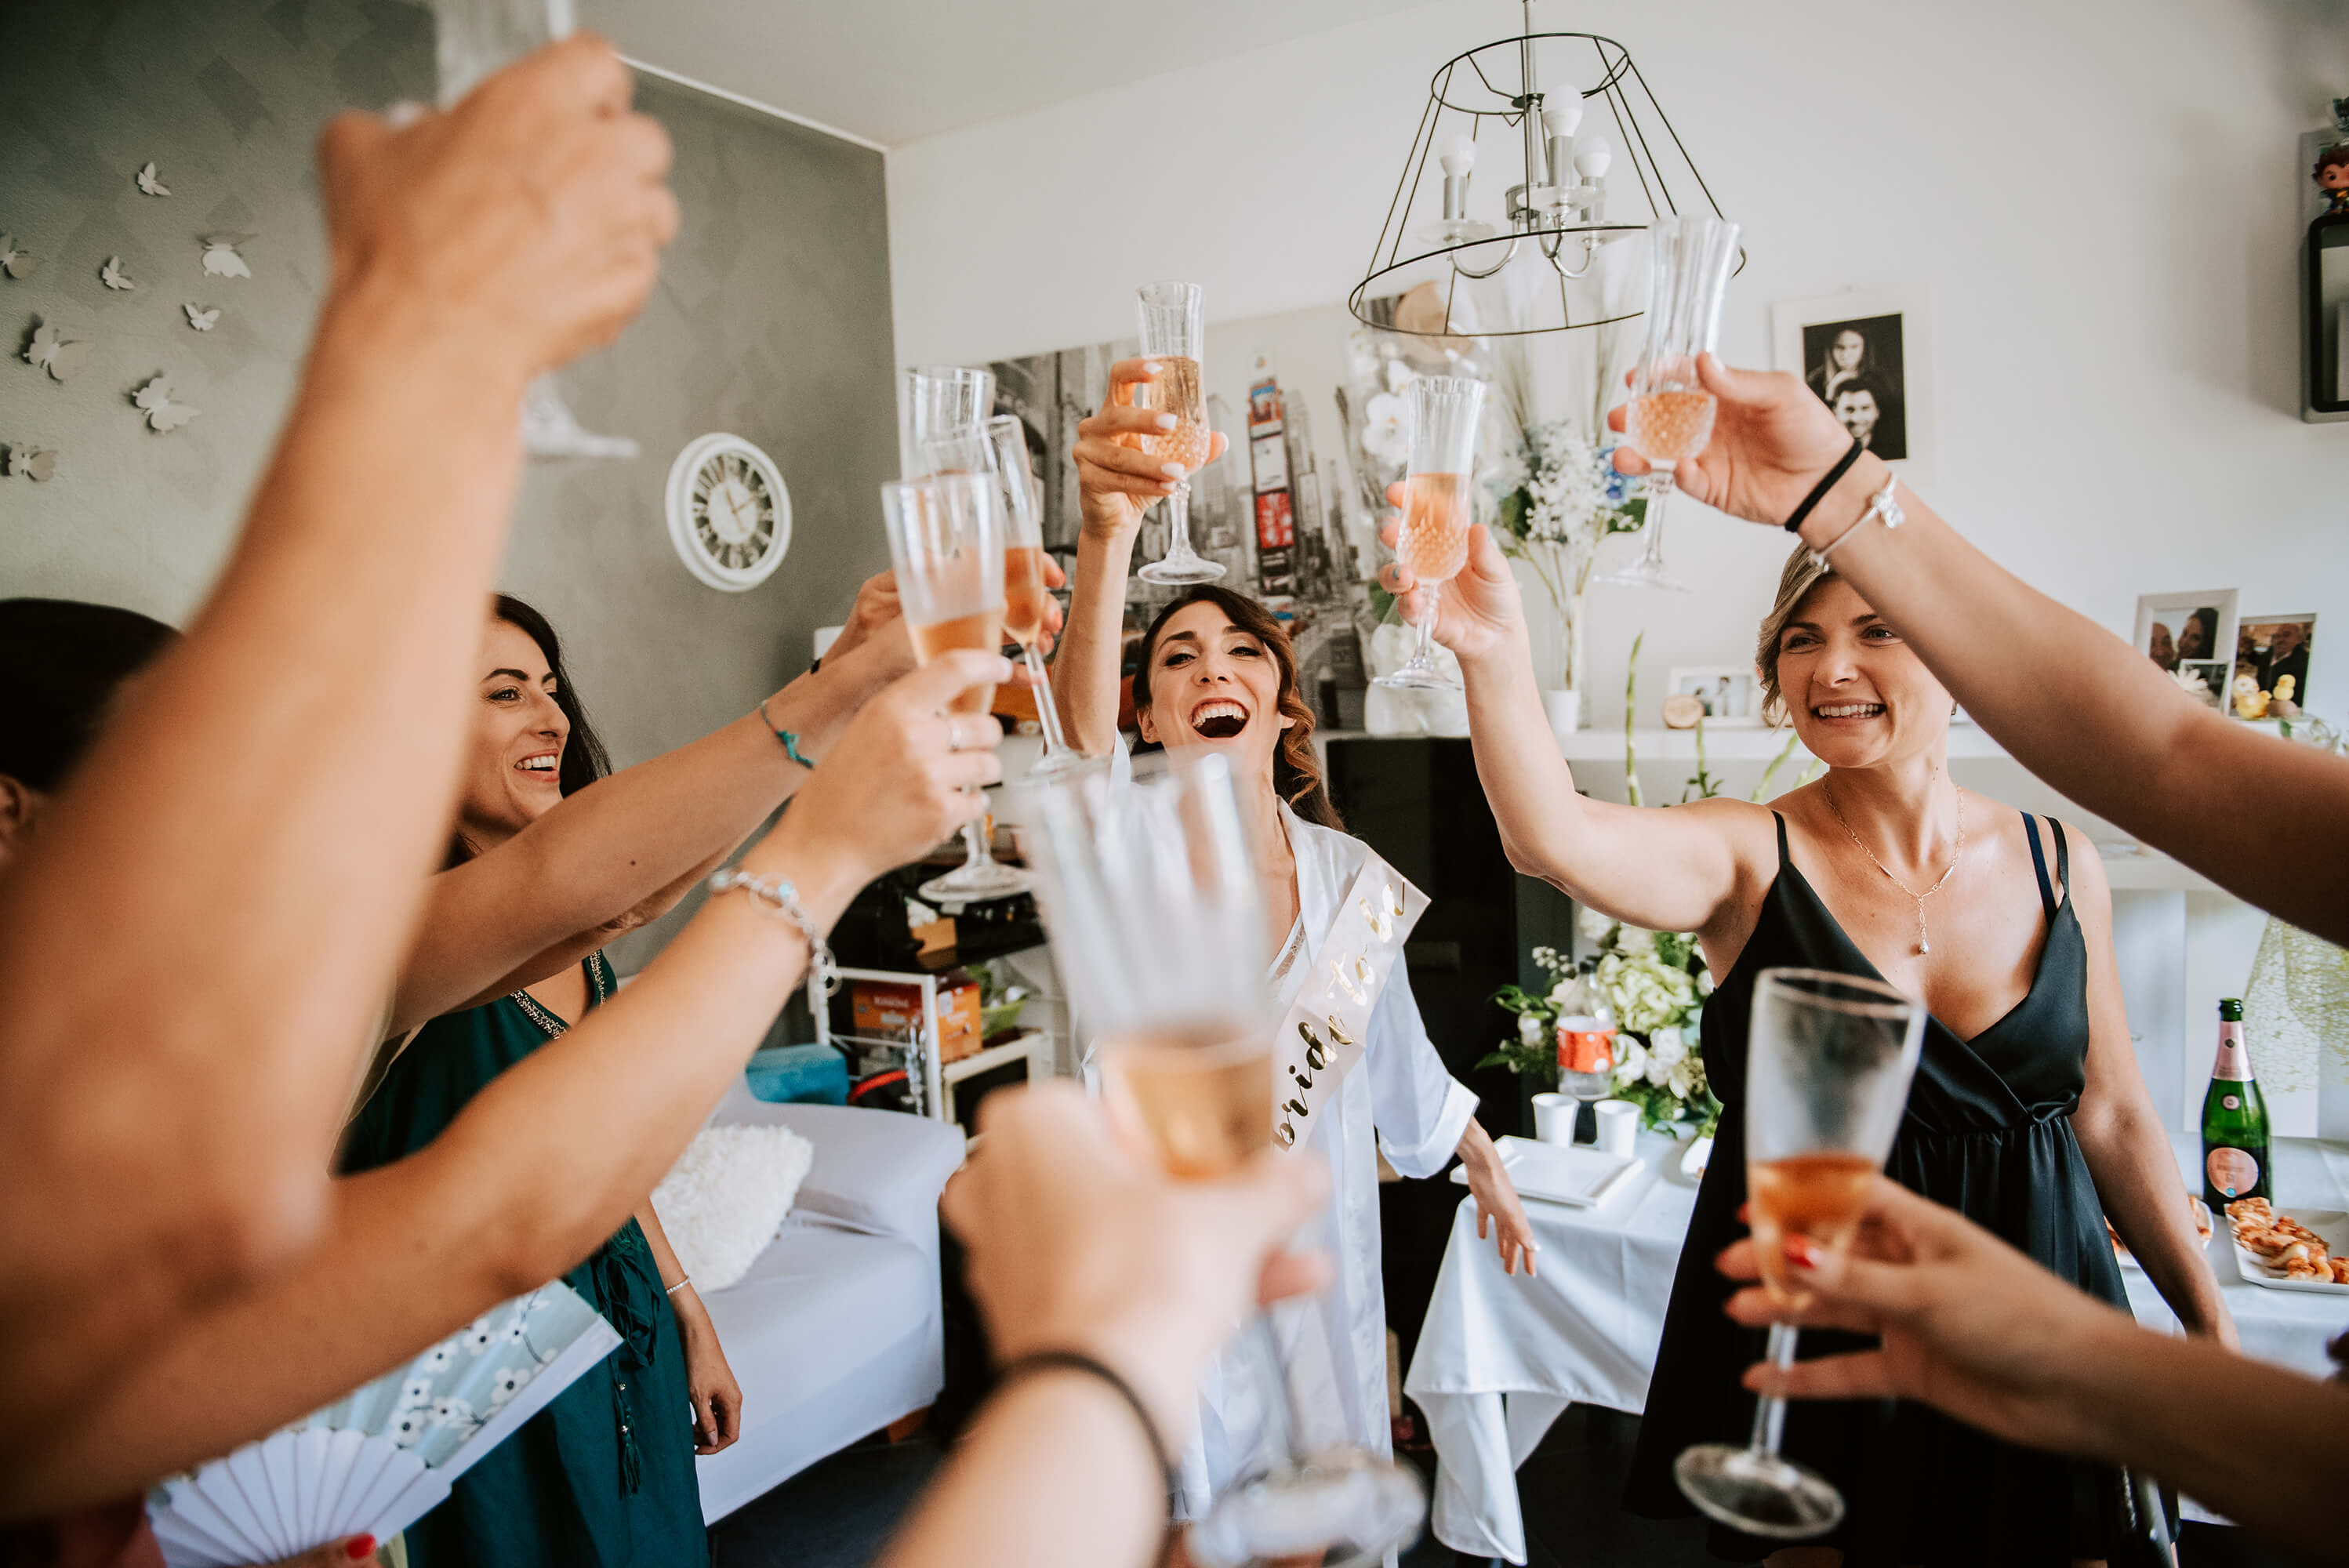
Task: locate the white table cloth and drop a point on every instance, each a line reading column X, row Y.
column 1500, row 1358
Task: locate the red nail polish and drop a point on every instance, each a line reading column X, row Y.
column 359, row 1546
column 1803, row 1252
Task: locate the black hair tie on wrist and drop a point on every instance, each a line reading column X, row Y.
column 1819, row 492
column 1076, row 1361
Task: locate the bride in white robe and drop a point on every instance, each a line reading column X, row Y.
column 1217, row 671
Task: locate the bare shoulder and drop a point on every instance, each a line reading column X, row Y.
column 1750, row 831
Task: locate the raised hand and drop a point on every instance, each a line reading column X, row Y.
column 526, row 224
column 1772, row 439
column 1480, row 611
column 1116, row 480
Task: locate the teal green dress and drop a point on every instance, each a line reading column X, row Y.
column 602, row 1477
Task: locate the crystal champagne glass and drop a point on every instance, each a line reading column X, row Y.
column 1025, row 597
column 1670, row 416
column 946, row 541
column 1150, row 890
column 942, row 413
column 1174, row 332
column 1829, row 1061
column 476, row 38
column 1432, row 543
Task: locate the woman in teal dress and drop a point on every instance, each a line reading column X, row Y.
column 604, row 1477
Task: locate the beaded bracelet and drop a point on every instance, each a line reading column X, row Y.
column 781, row 897
column 789, row 737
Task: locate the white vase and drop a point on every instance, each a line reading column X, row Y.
column 1565, row 711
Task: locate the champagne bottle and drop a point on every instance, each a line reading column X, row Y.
column 2234, row 1121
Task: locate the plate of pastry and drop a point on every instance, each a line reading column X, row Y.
column 2290, row 1249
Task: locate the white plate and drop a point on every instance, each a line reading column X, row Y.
column 1693, row 1158
column 2331, row 1224
column 1576, row 1174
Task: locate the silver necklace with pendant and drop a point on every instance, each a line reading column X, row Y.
column 1923, row 944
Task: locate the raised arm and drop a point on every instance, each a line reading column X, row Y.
column 195, row 949
column 2114, row 734
column 549, row 1157
column 1116, row 483
column 623, row 850
column 1677, row 869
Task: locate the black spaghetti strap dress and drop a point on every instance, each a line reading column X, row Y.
column 1988, row 1132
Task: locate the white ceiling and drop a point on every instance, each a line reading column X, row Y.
column 894, row 71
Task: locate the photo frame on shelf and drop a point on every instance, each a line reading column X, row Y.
column 1731, row 696
column 2190, row 637
column 2270, row 647
column 1870, row 356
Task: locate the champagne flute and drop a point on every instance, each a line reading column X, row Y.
column 1432, row 544
column 1173, row 331
column 1151, row 892
column 476, row 38
column 1829, row 1061
column 1670, row 417
column 946, row 541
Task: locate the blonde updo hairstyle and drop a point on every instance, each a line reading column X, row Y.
column 1803, row 573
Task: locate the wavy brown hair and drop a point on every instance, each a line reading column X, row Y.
column 1295, row 774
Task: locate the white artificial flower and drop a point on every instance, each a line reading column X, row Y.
column 1636, row 941
column 1660, row 1072
column 1532, row 1028
column 1682, row 1079
column 1592, row 925
column 1386, row 429
column 1704, row 981
column 1667, row 1046
column 1631, row 1060
column 1562, row 994
column 1399, row 377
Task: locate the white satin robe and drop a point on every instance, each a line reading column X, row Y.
column 1398, row 1101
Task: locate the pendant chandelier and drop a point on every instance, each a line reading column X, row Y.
column 1572, row 198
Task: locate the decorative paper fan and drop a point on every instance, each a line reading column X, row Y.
column 376, row 1460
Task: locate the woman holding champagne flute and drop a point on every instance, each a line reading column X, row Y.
column 1217, row 675
column 2027, row 1111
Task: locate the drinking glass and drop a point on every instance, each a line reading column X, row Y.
column 476, row 38
column 1173, row 331
column 1670, row 417
column 946, row 541
column 999, row 446
column 1829, row 1061
column 1150, row 892
column 1432, row 543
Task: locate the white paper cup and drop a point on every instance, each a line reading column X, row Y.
column 1554, row 1117
column 1618, row 1124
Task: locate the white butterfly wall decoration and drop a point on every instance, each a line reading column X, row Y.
column 16, row 262
column 149, row 183
column 221, row 260
column 34, row 462
column 163, row 416
column 113, row 276
column 201, row 320
column 56, row 353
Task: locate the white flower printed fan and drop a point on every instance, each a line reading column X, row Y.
column 374, row 1461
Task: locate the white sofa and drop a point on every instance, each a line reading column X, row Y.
column 835, row 1332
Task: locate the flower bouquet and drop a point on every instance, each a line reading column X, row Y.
column 1657, row 983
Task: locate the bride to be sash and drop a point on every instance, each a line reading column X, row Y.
column 1321, row 1037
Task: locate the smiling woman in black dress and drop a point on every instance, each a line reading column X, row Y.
column 2028, row 1114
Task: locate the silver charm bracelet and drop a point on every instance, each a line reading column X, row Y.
column 1882, row 504
column 781, row 897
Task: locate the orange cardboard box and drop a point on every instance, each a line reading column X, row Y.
column 882, row 1009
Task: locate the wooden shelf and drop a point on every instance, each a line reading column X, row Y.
column 1017, row 1049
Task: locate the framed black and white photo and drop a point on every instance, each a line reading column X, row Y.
column 1726, row 691
column 1870, row 356
column 2190, row 635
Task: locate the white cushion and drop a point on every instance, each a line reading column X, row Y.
column 877, row 1171
column 724, row 1199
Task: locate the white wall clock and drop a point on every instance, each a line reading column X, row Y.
column 729, row 515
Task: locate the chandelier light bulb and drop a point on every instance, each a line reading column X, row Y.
column 1561, row 117
column 1459, row 156
column 1591, row 161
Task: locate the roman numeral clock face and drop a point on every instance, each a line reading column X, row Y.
column 729, row 515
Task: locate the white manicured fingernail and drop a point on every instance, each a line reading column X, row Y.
column 1172, row 470
column 1167, row 421
column 1152, row 366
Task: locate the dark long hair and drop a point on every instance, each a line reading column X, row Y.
column 584, row 758
column 1295, row 774
column 60, row 663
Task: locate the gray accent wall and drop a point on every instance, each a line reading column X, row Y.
column 771, row 320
